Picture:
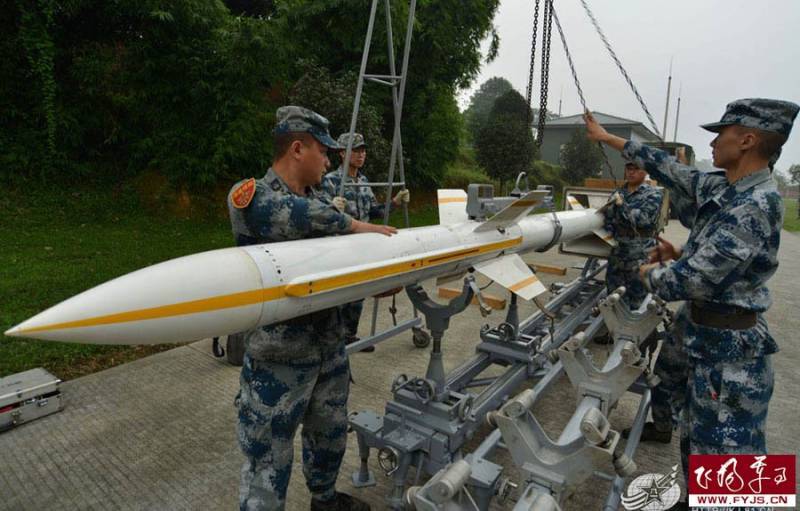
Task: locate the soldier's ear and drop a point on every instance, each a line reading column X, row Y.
column 296, row 149
column 748, row 141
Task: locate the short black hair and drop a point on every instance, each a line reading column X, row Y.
column 768, row 142
column 283, row 141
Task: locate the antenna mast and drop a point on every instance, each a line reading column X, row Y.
column 666, row 109
column 677, row 114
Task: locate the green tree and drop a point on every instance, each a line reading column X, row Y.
column 505, row 145
column 481, row 103
column 319, row 90
column 580, row 158
column 189, row 89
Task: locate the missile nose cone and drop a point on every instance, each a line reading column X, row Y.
column 12, row 332
column 180, row 300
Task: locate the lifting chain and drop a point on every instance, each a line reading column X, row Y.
column 529, row 91
column 547, row 28
column 578, row 86
column 621, row 69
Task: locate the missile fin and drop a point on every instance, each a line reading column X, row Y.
column 574, row 203
column 514, row 212
column 511, row 272
column 452, row 206
column 606, row 236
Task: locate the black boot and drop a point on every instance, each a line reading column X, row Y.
column 341, row 502
column 651, row 434
column 350, row 339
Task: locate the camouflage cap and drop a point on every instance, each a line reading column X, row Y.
column 297, row 119
column 358, row 140
column 763, row 114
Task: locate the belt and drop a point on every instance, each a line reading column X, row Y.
column 733, row 319
column 624, row 232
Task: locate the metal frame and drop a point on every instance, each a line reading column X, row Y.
column 587, row 446
column 430, row 418
column 397, row 82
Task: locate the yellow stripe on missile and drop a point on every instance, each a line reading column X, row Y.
column 446, row 200
column 176, row 309
column 524, row 283
column 349, row 279
column 274, row 293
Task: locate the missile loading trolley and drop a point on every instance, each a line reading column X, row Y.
column 420, row 437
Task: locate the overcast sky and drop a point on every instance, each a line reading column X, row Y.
column 722, row 50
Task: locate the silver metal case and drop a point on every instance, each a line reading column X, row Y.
column 27, row 396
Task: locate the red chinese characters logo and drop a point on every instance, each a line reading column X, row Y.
column 741, row 480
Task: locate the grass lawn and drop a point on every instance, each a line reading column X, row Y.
column 791, row 222
column 57, row 244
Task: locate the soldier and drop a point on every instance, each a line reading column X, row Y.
column 632, row 218
column 721, row 335
column 295, row 371
column 360, row 203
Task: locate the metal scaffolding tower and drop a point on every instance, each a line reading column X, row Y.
column 397, row 82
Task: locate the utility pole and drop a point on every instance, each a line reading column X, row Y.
column 666, row 109
column 560, row 97
column 677, row 114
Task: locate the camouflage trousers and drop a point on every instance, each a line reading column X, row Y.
column 351, row 315
column 720, row 405
column 275, row 398
column 625, row 272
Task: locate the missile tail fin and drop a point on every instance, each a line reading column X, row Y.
column 606, row 236
column 514, row 212
column 573, row 203
column 452, row 206
column 511, row 272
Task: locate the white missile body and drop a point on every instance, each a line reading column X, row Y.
column 237, row 289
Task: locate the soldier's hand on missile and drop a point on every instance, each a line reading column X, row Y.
column 340, row 203
column 645, row 269
column 663, row 252
column 360, row 227
column 617, row 198
column 402, row 197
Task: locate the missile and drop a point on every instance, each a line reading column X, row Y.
column 238, row 289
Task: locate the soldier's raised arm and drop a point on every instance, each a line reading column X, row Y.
column 680, row 179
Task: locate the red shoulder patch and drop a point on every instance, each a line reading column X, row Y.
column 243, row 194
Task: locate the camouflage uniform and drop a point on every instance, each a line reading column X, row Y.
column 361, row 205
column 638, row 215
column 721, row 379
column 295, row 371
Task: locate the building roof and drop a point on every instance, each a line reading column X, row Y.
column 607, row 120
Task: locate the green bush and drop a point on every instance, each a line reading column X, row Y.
column 458, row 176
column 548, row 174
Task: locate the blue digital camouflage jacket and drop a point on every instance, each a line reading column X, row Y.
column 732, row 249
column 276, row 213
column 361, row 202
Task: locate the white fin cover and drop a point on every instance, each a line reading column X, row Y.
column 573, row 203
column 511, row 272
column 605, row 236
column 452, row 206
column 601, row 233
column 515, row 211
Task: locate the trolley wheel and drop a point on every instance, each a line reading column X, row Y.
column 420, row 337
